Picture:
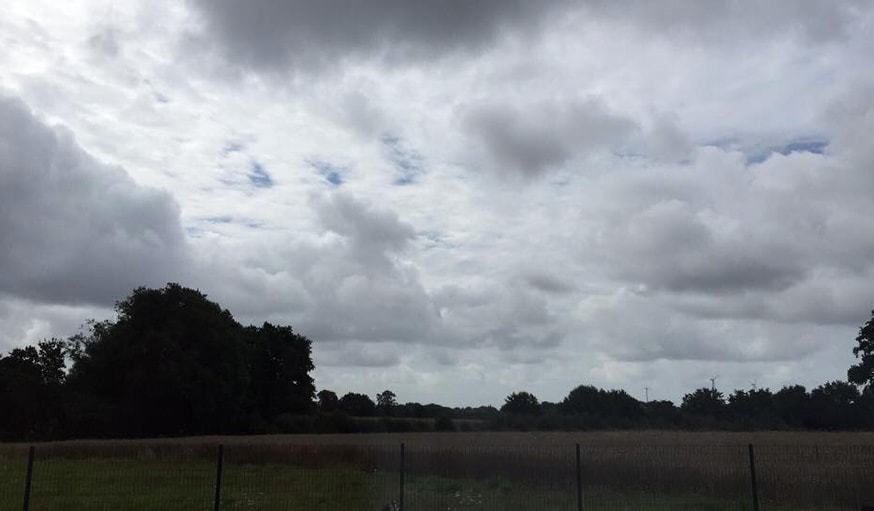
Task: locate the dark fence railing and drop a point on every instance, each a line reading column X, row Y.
column 168, row 475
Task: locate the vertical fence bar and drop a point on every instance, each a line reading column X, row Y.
column 28, row 477
column 220, row 461
column 753, row 478
column 401, row 496
column 579, row 481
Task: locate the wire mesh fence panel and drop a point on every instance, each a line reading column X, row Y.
column 476, row 471
column 490, row 477
column 13, row 466
column 815, row 477
column 133, row 477
column 656, row 477
column 289, row 477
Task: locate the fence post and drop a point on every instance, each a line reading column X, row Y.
column 220, row 461
column 28, row 477
column 401, row 496
column 579, row 482
column 753, row 478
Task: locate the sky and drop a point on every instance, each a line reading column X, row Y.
column 454, row 200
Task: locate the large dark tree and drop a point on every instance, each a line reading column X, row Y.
column 280, row 362
column 171, row 363
column 863, row 372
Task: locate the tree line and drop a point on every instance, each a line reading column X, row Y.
column 174, row 363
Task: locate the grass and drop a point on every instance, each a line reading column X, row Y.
column 477, row 471
column 91, row 484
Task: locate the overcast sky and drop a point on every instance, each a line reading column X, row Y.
column 454, row 200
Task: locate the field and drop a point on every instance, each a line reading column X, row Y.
column 451, row 471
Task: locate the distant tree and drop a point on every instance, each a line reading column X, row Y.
column 752, row 403
column 386, row 401
column 328, row 401
column 863, row 372
column 435, row 410
column 416, row 410
column 661, row 412
column 359, row 405
column 704, row 401
column 587, row 399
column 791, row 405
column 833, row 405
column 583, row 399
column 521, row 403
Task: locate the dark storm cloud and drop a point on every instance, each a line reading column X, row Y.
column 73, row 229
column 282, row 34
column 535, row 138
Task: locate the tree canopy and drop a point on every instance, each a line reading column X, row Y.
column 863, row 372
column 172, row 362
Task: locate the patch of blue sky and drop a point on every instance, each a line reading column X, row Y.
column 220, row 219
column 801, row 145
column 434, row 239
column 194, row 232
column 258, row 176
column 332, row 174
column 408, row 163
column 232, row 147
column 757, row 153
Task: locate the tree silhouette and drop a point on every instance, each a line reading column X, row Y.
column 587, row 399
column 521, row 403
column 280, row 362
column 31, row 391
column 386, row 401
column 863, row 372
column 358, row 405
column 328, row 401
column 704, row 401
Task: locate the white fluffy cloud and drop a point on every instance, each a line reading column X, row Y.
column 455, row 201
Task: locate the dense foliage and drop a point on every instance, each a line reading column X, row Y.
column 171, row 363
column 174, row 363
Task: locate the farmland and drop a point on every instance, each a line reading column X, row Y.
column 619, row 470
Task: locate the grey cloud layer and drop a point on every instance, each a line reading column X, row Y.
column 71, row 228
column 534, row 138
column 302, row 34
column 281, row 35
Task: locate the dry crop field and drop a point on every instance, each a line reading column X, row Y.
column 619, row 470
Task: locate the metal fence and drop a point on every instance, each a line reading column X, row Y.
column 183, row 475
